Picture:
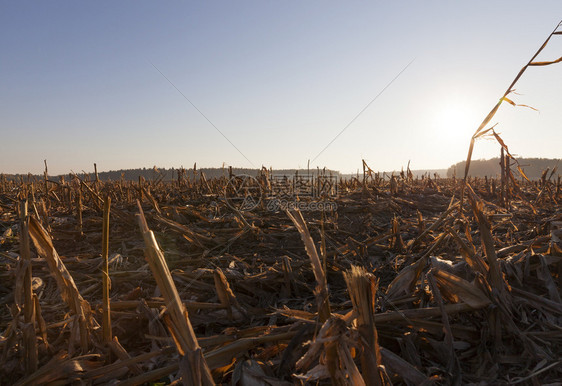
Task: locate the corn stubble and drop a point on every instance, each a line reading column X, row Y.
column 400, row 285
column 410, row 281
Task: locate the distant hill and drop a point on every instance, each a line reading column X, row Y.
column 533, row 167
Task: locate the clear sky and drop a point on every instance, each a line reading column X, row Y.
column 279, row 78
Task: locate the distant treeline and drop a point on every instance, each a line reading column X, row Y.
column 440, row 173
column 532, row 167
column 155, row 173
column 172, row 174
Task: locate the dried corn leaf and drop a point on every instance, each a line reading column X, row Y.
column 457, row 289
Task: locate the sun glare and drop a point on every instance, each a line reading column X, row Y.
column 453, row 123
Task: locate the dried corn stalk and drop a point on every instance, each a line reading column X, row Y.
column 195, row 371
column 79, row 307
column 362, row 288
column 321, row 292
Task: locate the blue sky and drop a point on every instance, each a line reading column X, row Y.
column 280, row 79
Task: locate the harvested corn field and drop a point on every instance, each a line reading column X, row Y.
column 162, row 282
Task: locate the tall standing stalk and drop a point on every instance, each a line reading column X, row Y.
column 480, row 131
column 106, row 283
column 79, row 211
column 45, row 179
column 503, row 179
column 30, row 341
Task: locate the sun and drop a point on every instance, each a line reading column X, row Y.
column 453, row 123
